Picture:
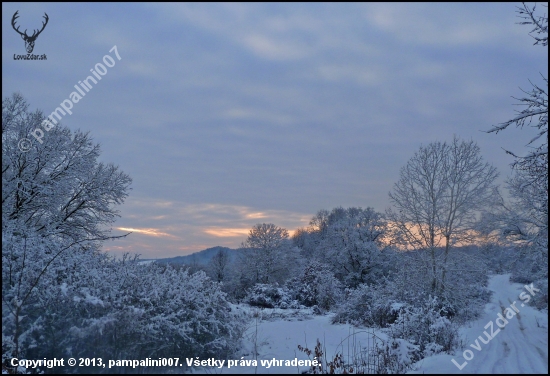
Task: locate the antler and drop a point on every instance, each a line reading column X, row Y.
column 35, row 33
column 29, row 40
column 15, row 16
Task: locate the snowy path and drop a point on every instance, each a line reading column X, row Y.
column 521, row 346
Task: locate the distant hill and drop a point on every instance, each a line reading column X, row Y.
column 200, row 258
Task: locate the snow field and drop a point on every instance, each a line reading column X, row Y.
column 279, row 339
column 520, row 347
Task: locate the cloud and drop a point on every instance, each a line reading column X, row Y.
column 182, row 227
column 353, row 74
column 442, row 25
column 226, row 115
column 274, row 48
column 146, row 231
column 275, row 32
column 259, row 115
column 227, row 232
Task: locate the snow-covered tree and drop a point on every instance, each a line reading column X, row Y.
column 56, row 198
column 351, row 241
column 308, row 239
column 62, row 296
column 268, row 255
column 524, row 219
column 59, row 188
column 440, row 193
column 218, row 267
column 535, row 113
column 316, row 285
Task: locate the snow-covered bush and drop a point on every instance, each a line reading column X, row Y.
column 189, row 311
column 530, row 264
column 316, row 286
column 540, row 299
column 426, row 327
column 395, row 355
column 463, row 293
column 369, row 305
column 351, row 243
column 270, row 296
column 499, row 258
column 95, row 306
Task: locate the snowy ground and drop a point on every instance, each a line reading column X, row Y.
column 520, row 347
column 279, row 332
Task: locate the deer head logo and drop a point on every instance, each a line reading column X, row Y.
column 29, row 40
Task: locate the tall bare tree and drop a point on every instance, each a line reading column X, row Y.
column 439, row 195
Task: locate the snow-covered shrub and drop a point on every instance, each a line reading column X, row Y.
column 462, row 292
column 352, row 245
column 270, row 296
column 356, row 360
column 531, row 264
column 95, row 306
column 264, row 295
column 525, row 272
column 262, row 264
column 467, row 303
column 369, row 305
column 395, row 355
column 355, row 307
column 316, row 286
column 189, row 311
column 499, row 258
column 540, row 299
column 427, row 327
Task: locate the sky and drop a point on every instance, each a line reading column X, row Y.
column 228, row 115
